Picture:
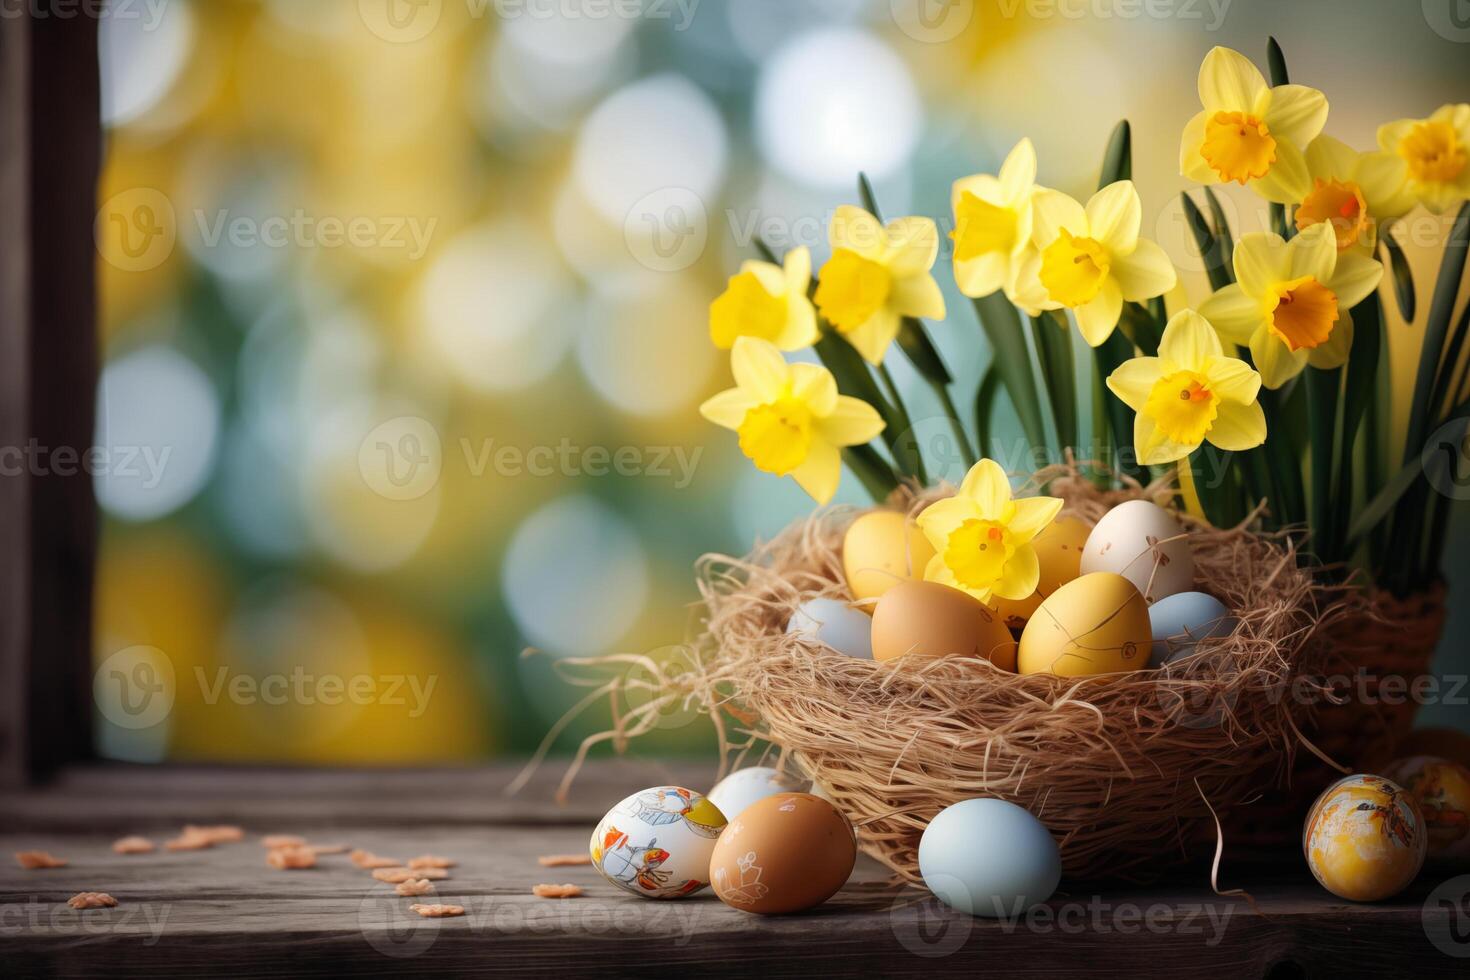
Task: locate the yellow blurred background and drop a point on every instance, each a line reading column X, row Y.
column 404, row 306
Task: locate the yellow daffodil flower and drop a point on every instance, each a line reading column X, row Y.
column 1290, row 301
column 877, row 276
column 1249, row 132
column 1190, row 393
column 790, row 418
column 1437, row 153
column 768, row 302
column 982, row 538
column 1353, row 192
column 1089, row 260
column 992, row 217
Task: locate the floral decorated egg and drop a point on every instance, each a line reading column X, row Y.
column 1365, row 838
column 1442, row 790
column 657, row 843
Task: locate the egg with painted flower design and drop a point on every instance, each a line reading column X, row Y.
column 657, row 843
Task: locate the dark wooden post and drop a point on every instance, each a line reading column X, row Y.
column 50, row 150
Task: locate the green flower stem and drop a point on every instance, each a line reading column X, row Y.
column 905, row 436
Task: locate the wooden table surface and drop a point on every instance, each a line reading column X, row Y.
column 223, row 912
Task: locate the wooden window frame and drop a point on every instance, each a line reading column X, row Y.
column 50, row 158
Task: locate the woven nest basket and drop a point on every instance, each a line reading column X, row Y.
column 1127, row 770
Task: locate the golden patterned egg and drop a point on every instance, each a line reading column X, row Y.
column 1364, row 838
column 1096, row 624
column 882, row 549
column 1442, row 790
column 927, row 619
column 1059, row 553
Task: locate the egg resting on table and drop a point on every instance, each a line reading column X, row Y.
column 657, row 842
column 1442, row 790
column 1145, row 544
column 927, row 619
column 1059, row 556
column 1097, row 624
column 990, row 858
column 785, row 853
column 1364, row 838
column 881, row 549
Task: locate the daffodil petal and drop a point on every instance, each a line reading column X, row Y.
column 1234, row 314
column 913, row 245
column 939, row 520
column 1354, row 277
column 857, row 231
column 820, row 472
column 1334, row 353
column 1019, row 576
column 986, row 484
column 1113, row 217
column 1330, row 159
column 983, row 274
column 1238, row 426
column 1260, row 261
column 1031, row 515
column 1383, row 178
column 1134, row 379
column 759, row 368
column 797, row 266
column 801, row 323
column 1052, row 211
column 770, row 276
column 1232, row 379
column 1288, row 180
column 1296, row 114
column 1228, row 81
column 1025, row 288
column 728, row 408
column 814, row 385
column 851, row 422
column 1145, row 273
column 1188, row 341
column 1192, row 164
column 1018, row 172
column 873, row 336
column 1313, row 253
column 1097, row 318
column 983, row 186
column 919, row 296
column 1152, row 446
column 1391, row 134
column 1276, row 363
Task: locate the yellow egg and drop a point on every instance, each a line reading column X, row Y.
column 1059, row 553
column 926, row 619
column 882, row 549
column 1096, row 624
column 1364, row 838
column 1442, row 790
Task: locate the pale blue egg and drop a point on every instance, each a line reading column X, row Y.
column 835, row 623
column 989, row 858
column 1181, row 620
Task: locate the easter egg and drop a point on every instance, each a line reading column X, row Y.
column 1181, row 620
column 745, row 786
column 657, row 843
column 932, row 620
column 1142, row 542
column 1442, row 790
column 881, row 549
column 785, row 853
column 1096, row 624
column 989, row 858
column 1364, row 838
column 1059, row 554
column 835, row 623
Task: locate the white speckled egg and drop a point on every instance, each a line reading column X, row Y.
column 1129, row 540
column 657, row 843
column 835, row 623
column 744, row 786
column 1181, row 620
column 989, row 858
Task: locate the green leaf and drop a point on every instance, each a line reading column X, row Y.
column 921, row 352
column 1216, row 268
column 1222, row 502
column 1118, row 159
column 1403, row 276
column 1358, row 394
column 872, row 470
column 854, row 378
column 902, row 440
column 1277, row 62
column 1002, row 325
column 1143, row 327
column 1109, row 355
column 1441, row 308
column 1414, row 467
column 1323, row 387
column 1102, row 442
column 1278, row 221
column 1283, row 456
column 865, row 192
column 1058, row 372
column 1224, row 241
column 985, row 409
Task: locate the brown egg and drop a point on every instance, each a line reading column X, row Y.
column 932, row 620
column 785, row 853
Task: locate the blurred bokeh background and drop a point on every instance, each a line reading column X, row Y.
column 404, row 311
